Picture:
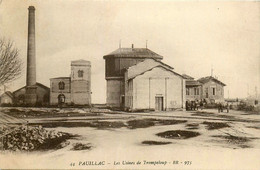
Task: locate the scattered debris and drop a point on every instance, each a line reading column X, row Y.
column 29, row 138
column 149, row 142
column 178, row 134
column 80, row 146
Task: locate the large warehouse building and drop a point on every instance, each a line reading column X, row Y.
column 137, row 79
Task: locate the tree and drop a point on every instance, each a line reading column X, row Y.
column 10, row 63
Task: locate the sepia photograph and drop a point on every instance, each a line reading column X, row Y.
column 131, row 84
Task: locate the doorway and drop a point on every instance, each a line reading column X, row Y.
column 61, row 98
column 159, row 103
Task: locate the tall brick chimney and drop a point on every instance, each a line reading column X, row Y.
column 31, row 96
column 31, row 58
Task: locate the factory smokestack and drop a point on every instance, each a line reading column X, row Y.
column 31, row 88
column 31, row 58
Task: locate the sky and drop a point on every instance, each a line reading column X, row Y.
column 193, row 37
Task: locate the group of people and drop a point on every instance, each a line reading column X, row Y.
column 195, row 105
column 222, row 106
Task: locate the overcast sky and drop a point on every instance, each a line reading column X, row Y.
column 192, row 37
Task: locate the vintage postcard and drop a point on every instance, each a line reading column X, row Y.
column 129, row 84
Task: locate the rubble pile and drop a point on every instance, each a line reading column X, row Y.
column 28, row 138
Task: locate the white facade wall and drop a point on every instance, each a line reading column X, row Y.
column 156, row 82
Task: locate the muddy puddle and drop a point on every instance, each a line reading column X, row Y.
column 215, row 125
column 208, row 114
column 178, row 134
column 192, row 126
column 149, row 142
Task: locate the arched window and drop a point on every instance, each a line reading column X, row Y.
column 80, row 73
column 61, row 85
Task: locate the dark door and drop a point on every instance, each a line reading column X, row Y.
column 158, row 103
column 61, row 99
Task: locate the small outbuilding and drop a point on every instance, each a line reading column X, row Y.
column 6, row 98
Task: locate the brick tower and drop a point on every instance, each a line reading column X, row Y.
column 30, row 95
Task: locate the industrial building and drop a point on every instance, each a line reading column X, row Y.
column 33, row 93
column 75, row 89
column 137, row 79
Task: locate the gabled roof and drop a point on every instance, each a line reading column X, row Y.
column 145, row 65
column 133, row 53
column 41, row 85
column 37, row 84
column 151, row 68
column 8, row 93
column 208, row 78
column 187, row 77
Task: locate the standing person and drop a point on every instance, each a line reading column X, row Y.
column 219, row 107
column 187, row 105
column 191, row 105
column 197, row 104
column 227, row 107
column 201, row 104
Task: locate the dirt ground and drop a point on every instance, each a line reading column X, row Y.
column 203, row 139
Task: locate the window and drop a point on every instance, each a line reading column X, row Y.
column 213, row 91
column 61, row 85
column 196, row 91
column 80, row 73
column 187, row 91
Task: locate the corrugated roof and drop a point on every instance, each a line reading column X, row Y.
column 191, row 83
column 134, row 53
column 187, row 76
column 208, row 78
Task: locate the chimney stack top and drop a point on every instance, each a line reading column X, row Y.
column 31, row 8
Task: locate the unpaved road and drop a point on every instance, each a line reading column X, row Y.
column 222, row 140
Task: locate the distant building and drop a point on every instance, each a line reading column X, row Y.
column 41, row 94
column 137, row 79
column 75, row 89
column 212, row 89
column 6, row 98
column 193, row 89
